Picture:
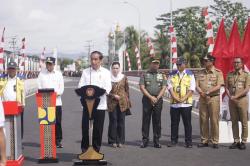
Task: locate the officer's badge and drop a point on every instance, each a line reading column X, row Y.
column 159, row 77
column 178, row 89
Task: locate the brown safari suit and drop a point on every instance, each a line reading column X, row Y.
column 209, row 106
column 236, row 83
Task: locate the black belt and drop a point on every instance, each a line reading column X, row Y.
column 242, row 96
column 213, row 95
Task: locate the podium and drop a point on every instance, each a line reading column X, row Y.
column 90, row 98
column 46, row 103
column 12, row 111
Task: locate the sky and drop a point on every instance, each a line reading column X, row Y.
column 68, row 24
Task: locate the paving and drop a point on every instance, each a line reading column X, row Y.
column 131, row 154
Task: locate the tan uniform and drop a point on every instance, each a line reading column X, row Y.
column 209, row 106
column 236, row 83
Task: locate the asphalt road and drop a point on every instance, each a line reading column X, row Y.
column 131, row 154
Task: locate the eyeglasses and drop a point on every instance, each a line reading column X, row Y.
column 237, row 62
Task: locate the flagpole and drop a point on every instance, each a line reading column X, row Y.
column 171, row 23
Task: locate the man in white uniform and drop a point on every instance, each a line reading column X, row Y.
column 99, row 76
column 51, row 78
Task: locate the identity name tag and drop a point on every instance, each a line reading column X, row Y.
column 178, row 89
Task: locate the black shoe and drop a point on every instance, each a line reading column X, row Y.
column 202, row 145
column 157, row 145
column 235, row 145
column 171, row 144
column 144, row 144
column 59, row 145
column 242, row 146
column 215, row 146
column 188, row 145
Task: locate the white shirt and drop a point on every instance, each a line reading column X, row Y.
column 9, row 93
column 100, row 78
column 192, row 88
column 53, row 80
column 2, row 119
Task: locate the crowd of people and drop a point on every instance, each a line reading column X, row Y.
column 153, row 84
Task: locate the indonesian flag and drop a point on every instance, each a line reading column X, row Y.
column 42, row 60
column 209, row 30
column 2, row 51
column 246, row 46
column 22, row 57
column 128, row 60
column 173, row 45
column 138, row 58
column 151, row 48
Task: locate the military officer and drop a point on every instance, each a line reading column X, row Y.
column 152, row 85
column 208, row 84
column 237, row 87
column 181, row 85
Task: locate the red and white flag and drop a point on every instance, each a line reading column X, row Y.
column 22, row 56
column 138, row 58
column 128, row 60
column 173, row 45
column 209, row 30
column 151, row 48
column 2, row 51
column 42, row 60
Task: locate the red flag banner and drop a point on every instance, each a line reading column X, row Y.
column 2, row 51
column 209, row 31
column 246, row 45
column 220, row 51
column 138, row 58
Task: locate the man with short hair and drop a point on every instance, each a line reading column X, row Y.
column 181, row 87
column 152, row 85
column 237, row 87
column 101, row 77
column 12, row 87
column 208, row 84
column 51, row 78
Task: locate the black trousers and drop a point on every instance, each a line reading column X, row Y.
column 185, row 113
column 98, row 117
column 59, row 123
column 148, row 111
column 116, row 131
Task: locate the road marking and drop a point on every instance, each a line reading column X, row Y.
column 166, row 100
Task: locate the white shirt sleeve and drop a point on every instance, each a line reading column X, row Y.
column 108, row 85
column 193, row 84
column 60, row 84
column 169, row 83
column 39, row 81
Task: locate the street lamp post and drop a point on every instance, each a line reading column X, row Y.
column 139, row 24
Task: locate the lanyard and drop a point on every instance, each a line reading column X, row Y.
column 181, row 78
column 236, row 79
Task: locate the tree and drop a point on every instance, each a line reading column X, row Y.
column 190, row 28
column 132, row 41
column 229, row 10
column 64, row 62
column 190, row 32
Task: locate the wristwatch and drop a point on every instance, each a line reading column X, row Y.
column 207, row 93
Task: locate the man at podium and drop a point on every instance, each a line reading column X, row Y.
column 98, row 76
column 53, row 79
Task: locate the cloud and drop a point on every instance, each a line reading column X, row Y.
column 37, row 14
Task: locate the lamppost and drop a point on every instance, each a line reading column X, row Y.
column 139, row 23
